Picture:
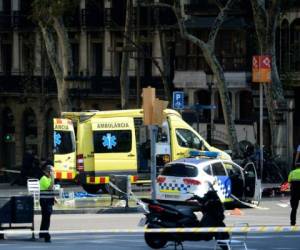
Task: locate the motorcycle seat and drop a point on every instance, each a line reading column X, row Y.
column 186, row 211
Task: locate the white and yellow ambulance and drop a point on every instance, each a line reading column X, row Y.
column 116, row 142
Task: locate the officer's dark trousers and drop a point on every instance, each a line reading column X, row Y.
column 46, row 210
column 294, row 205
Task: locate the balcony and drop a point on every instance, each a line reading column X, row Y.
column 17, row 85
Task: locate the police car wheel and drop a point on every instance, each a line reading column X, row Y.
column 91, row 189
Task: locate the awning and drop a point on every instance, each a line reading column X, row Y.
column 207, row 22
column 189, row 79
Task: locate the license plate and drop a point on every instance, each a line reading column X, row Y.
column 171, row 196
column 142, row 222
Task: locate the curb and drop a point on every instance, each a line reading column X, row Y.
column 117, row 210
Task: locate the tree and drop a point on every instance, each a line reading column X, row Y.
column 208, row 50
column 127, row 41
column 124, row 80
column 49, row 16
column 266, row 15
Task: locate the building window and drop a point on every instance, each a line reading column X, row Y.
column 97, row 58
column 75, row 57
column 27, row 57
column 246, row 105
column 6, row 58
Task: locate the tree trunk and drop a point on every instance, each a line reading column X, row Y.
column 266, row 22
column 124, row 80
column 166, row 67
column 218, row 72
column 61, row 83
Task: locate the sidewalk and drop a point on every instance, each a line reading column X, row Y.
column 76, row 201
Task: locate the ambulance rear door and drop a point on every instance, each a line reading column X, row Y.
column 64, row 149
column 114, row 146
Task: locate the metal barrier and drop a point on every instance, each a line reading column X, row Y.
column 16, row 210
column 120, row 188
column 255, row 229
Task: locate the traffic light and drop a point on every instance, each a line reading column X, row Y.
column 8, row 137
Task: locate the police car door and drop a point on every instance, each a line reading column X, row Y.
column 114, row 145
column 252, row 183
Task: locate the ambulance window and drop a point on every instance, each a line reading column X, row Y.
column 64, row 142
column 188, row 139
column 180, row 170
column 112, row 141
column 162, row 135
column 218, row 169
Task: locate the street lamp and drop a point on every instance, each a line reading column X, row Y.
column 209, row 125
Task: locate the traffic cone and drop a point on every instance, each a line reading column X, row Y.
column 236, row 211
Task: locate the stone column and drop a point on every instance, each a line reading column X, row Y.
column 19, row 133
column 38, row 55
column 237, row 105
column 83, row 49
column 1, row 67
column 40, row 123
column 191, row 96
column 213, row 102
column 156, row 54
column 233, row 104
column 107, row 54
column 16, row 57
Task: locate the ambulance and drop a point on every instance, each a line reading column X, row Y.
column 91, row 146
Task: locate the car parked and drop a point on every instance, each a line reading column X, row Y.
column 182, row 178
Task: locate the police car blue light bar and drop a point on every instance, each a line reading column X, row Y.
column 208, row 154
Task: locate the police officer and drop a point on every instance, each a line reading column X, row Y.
column 46, row 200
column 294, row 180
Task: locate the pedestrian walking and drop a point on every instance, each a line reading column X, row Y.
column 294, row 180
column 46, row 200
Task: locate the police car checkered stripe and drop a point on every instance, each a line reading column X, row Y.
column 224, row 184
column 174, row 187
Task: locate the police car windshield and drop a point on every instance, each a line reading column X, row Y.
column 64, row 142
column 180, row 170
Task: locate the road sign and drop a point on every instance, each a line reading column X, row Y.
column 178, row 100
column 261, row 69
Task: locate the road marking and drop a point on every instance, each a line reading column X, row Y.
column 283, row 205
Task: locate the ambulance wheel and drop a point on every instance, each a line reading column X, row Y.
column 91, row 189
column 105, row 188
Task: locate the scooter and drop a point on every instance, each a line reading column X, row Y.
column 162, row 215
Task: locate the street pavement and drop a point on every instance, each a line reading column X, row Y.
column 95, row 216
column 135, row 241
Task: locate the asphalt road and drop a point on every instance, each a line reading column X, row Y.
column 272, row 211
column 135, row 241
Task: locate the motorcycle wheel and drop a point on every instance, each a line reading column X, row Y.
column 154, row 240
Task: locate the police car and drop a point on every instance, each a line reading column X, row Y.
column 179, row 179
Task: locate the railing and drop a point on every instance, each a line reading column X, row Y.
column 194, row 62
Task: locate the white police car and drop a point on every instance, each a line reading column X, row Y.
column 179, row 179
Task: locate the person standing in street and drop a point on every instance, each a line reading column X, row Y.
column 46, row 200
column 294, row 181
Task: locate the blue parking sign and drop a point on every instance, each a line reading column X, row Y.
column 178, row 100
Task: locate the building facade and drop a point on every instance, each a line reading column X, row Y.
column 28, row 89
